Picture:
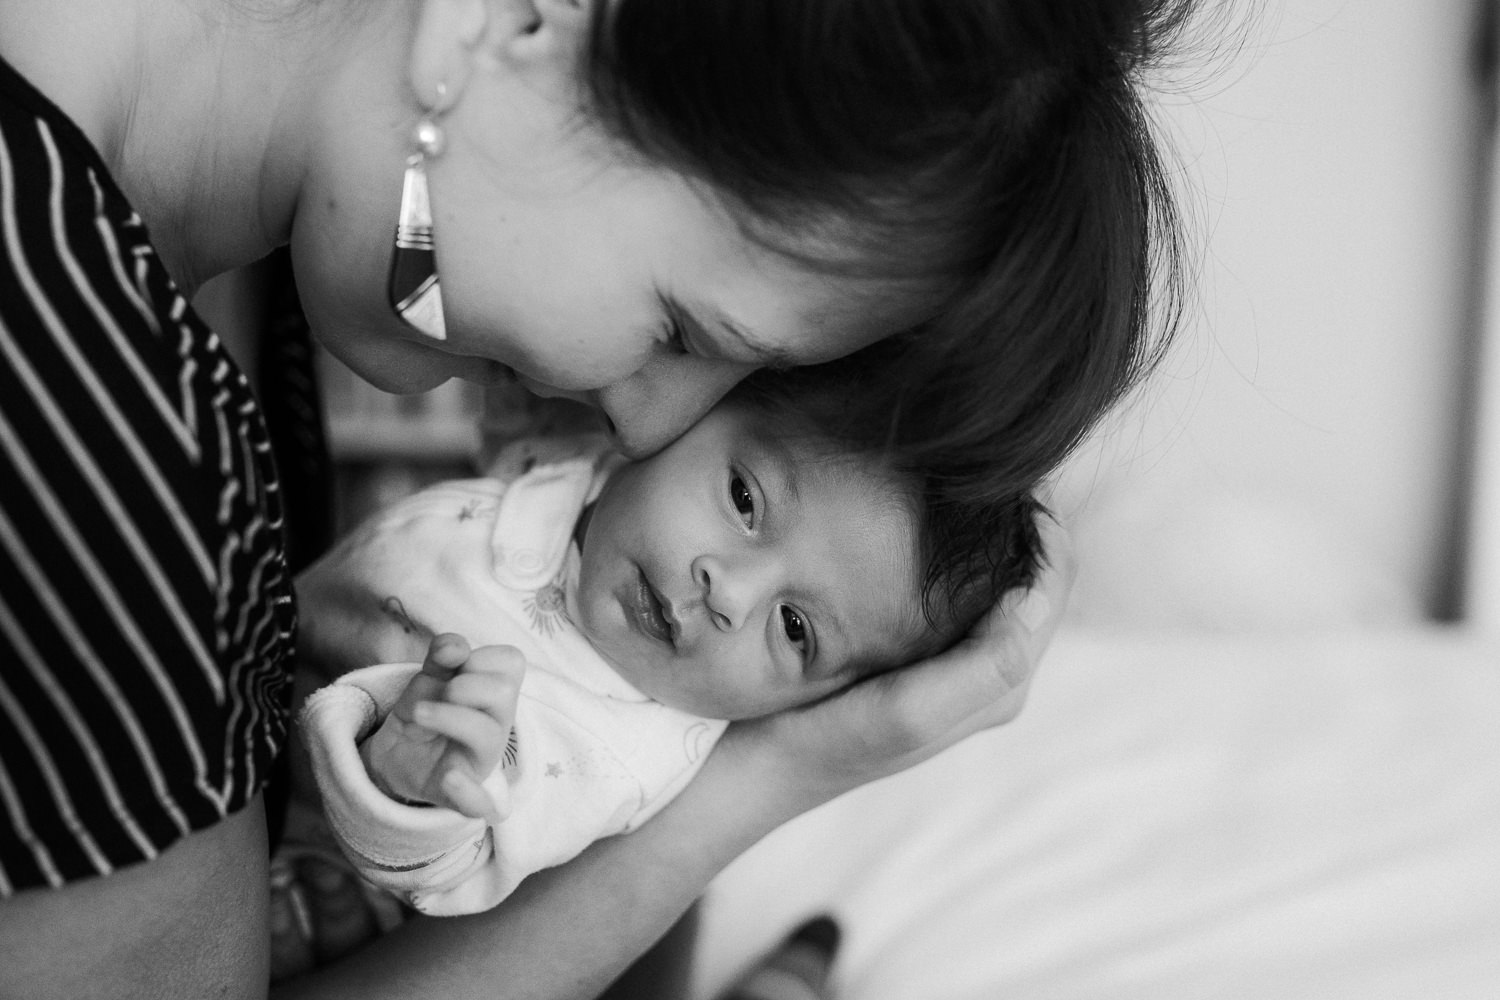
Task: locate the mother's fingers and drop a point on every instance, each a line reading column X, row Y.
column 925, row 707
column 1041, row 606
column 900, row 718
column 983, row 680
column 1013, row 636
column 1028, row 618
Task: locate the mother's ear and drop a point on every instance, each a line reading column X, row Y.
column 456, row 38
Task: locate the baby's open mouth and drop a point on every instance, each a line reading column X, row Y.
column 650, row 612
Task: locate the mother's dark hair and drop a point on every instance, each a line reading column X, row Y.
column 993, row 154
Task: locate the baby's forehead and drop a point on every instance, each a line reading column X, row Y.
column 870, row 519
column 849, row 475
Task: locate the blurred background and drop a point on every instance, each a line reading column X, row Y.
column 1305, row 458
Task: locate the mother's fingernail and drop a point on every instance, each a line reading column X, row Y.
column 1033, row 609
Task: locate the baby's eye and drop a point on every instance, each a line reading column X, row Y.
column 794, row 627
column 744, row 502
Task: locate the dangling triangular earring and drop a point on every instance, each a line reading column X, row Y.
column 412, row 287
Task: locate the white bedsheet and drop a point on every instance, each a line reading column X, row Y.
column 1250, row 817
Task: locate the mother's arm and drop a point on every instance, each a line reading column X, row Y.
column 190, row 924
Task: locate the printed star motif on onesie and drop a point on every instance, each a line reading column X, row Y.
column 546, row 607
column 473, row 509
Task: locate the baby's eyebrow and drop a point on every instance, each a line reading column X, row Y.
column 790, row 469
column 780, row 463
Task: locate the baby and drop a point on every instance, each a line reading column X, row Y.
column 757, row 563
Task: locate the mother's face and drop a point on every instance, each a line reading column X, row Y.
column 566, row 261
column 620, row 284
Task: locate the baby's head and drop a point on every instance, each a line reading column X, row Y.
column 760, row 562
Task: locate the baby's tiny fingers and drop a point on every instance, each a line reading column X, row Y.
column 445, row 654
column 493, row 694
column 461, row 793
column 504, row 660
column 475, row 731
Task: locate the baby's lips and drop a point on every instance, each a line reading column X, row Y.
column 669, row 614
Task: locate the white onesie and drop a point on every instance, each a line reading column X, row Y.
column 590, row 756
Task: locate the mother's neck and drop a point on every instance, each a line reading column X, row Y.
column 205, row 111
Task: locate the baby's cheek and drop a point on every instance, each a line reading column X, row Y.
column 726, row 687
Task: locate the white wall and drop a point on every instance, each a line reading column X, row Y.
column 1295, row 464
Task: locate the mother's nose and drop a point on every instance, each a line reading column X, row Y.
column 654, row 406
column 733, row 587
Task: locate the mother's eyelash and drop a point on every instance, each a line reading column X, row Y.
column 675, row 328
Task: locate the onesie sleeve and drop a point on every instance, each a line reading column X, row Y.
column 410, row 851
column 583, row 768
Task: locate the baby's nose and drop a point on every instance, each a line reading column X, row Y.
column 732, row 589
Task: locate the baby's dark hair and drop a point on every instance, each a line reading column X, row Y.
column 972, row 549
column 993, row 159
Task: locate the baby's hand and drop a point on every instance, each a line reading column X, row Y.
column 449, row 729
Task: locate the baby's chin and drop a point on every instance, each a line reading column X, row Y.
column 650, row 677
column 706, row 704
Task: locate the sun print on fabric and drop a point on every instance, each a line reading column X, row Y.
column 546, row 608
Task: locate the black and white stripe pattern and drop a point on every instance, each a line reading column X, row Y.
column 146, row 615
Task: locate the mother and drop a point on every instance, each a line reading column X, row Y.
column 634, row 205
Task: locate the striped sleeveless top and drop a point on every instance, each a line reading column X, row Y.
column 146, row 609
